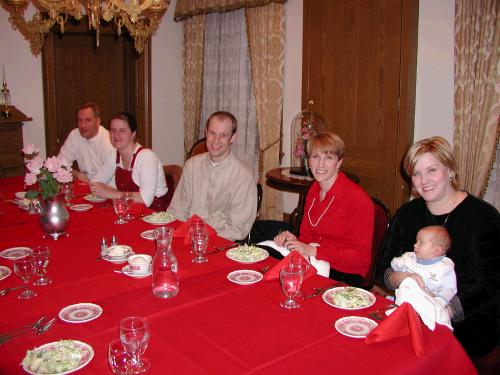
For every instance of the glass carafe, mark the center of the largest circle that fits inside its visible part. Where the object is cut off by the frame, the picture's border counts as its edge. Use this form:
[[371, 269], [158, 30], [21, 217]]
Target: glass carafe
[[165, 282]]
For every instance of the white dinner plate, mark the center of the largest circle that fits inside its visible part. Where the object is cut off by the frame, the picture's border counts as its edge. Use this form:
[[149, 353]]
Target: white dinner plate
[[81, 207], [355, 326], [148, 234], [15, 252], [80, 313], [244, 277], [85, 349], [94, 198], [247, 254], [4, 272], [157, 219], [127, 271], [361, 298]]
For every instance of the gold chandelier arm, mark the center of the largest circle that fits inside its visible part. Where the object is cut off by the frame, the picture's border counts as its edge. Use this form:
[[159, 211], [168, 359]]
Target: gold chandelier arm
[[118, 6], [34, 31], [141, 30], [55, 7]]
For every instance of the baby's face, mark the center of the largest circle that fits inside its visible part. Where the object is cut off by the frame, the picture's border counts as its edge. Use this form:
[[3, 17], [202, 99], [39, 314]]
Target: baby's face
[[424, 247]]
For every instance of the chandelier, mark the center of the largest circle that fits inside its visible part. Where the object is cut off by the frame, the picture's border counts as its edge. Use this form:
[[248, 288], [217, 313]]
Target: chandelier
[[140, 17]]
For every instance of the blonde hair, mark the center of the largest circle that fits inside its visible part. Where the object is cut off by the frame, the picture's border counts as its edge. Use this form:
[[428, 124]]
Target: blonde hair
[[440, 236], [439, 148], [326, 143]]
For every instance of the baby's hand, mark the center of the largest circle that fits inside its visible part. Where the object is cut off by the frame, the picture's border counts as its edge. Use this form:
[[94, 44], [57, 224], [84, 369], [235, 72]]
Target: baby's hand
[[418, 279]]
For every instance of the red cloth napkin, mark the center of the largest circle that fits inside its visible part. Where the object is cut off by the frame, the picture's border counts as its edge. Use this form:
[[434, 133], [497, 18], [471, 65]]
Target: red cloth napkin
[[402, 322], [274, 273], [183, 230]]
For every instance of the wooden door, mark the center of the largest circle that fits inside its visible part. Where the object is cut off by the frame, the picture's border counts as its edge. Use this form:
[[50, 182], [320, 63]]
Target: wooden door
[[359, 68], [112, 75]]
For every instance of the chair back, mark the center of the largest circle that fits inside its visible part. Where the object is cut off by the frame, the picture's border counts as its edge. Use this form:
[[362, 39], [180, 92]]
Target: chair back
[[199, 147], [173, 174], [380, 227], [259, 197]]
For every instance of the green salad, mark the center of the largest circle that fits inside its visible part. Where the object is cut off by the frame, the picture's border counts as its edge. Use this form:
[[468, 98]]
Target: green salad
[[350, 298], [246, 253], [160, 217], [63, 356]]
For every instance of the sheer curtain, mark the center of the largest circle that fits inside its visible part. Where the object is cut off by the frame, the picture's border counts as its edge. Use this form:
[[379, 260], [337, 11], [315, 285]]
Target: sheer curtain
[[493, 191], [227, 81]]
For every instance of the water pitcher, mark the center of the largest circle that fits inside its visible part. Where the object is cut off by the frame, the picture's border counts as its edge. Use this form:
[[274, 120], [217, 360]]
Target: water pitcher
[[165, 282]]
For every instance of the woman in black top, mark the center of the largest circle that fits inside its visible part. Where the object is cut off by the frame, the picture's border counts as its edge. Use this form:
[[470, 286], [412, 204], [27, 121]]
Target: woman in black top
[[474, 227]]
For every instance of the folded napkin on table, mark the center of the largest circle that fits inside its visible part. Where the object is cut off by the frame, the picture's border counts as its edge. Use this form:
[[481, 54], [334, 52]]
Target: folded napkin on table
[[430, 309], [274, 273], [321, 266], [183, 230], [402, 322]]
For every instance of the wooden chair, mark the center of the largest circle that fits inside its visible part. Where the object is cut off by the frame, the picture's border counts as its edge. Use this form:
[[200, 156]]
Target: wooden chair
[[380, 228], [198, 148], [173, 174], [259, 197]]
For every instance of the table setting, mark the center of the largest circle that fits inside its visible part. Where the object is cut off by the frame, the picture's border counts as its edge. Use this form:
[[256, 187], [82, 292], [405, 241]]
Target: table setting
[[223, 315]]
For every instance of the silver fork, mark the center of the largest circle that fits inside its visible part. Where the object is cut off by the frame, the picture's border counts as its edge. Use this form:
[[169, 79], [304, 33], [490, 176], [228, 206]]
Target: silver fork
[[20, 331], [318, 291], [3, 292], [377, 314]]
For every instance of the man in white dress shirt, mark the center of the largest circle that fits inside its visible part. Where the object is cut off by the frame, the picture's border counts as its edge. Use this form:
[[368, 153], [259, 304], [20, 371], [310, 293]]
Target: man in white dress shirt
[[216, 185], [89, 144]]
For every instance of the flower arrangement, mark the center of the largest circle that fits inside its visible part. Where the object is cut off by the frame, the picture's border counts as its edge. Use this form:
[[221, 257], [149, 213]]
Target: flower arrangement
[[49, 174], [306, 132]]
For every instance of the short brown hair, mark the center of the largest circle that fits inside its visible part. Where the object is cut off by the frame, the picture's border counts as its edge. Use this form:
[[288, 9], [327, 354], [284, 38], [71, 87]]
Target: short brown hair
[[94, 107], [439, 148], [220, 115], [440, 236], [326, 143]]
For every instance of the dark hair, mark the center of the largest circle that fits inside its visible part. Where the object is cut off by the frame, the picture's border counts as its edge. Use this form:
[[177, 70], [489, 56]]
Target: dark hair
[[128, 118], [220, 115], [94, 107]]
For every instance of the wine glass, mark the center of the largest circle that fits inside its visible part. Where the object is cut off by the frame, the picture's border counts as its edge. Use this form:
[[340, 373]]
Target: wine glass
[[118, 359], [67, 190], [301, 264], [291, 280], [129, 200], [24, 268], [120, 207], [195, 225], [199, 239], [42, 256], [134, 336]]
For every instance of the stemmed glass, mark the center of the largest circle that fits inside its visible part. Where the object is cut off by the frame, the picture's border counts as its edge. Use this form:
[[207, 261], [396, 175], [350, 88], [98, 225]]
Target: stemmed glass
[[120, 206], [291, 280], [301, 264], [42, 256], [24, 268], [67, 190], [129, 200], [194, 226], [134, 336], [118, 359], [199, 239]]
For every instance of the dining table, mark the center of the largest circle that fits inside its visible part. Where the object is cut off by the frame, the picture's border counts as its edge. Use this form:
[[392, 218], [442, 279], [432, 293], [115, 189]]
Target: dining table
[[212, 326]]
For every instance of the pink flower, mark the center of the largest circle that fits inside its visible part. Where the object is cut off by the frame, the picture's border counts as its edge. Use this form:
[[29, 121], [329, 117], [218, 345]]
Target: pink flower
[[34, 165], [30, 178], [63, 175], [31, 149], [52, 164], [299, 151]]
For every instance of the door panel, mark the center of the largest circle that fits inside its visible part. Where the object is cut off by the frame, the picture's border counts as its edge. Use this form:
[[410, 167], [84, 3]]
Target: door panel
[[353, 52], [112, 75]]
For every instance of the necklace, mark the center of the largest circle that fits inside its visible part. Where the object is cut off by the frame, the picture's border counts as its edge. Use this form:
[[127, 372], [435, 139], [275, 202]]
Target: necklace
[[449, 213], [320, 216]]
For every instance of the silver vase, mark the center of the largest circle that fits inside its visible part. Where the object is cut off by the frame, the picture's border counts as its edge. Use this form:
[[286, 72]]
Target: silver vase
[[54, 217]]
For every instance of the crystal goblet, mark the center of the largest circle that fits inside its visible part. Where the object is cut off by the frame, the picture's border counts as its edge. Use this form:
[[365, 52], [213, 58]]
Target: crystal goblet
[[24, 268], [120, 207], [119, 360], [291, 281], [134, 336], [199, 239], [42, 257], [67, 190]]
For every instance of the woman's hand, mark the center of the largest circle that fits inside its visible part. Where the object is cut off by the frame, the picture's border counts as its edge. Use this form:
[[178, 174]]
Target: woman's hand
[[301, 247], [104, 190], [283, 237]]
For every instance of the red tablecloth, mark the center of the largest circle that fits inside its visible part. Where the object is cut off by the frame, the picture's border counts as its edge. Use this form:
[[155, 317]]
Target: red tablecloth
[[211, 327]]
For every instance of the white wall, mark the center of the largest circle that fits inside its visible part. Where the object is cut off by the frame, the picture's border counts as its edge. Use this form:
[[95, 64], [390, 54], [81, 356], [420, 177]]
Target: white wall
[[434, 97]]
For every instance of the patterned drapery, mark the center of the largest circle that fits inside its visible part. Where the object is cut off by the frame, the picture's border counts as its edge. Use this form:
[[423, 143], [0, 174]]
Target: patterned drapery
[[477, 90], [193, 78], [189, 8], [266, 37]]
